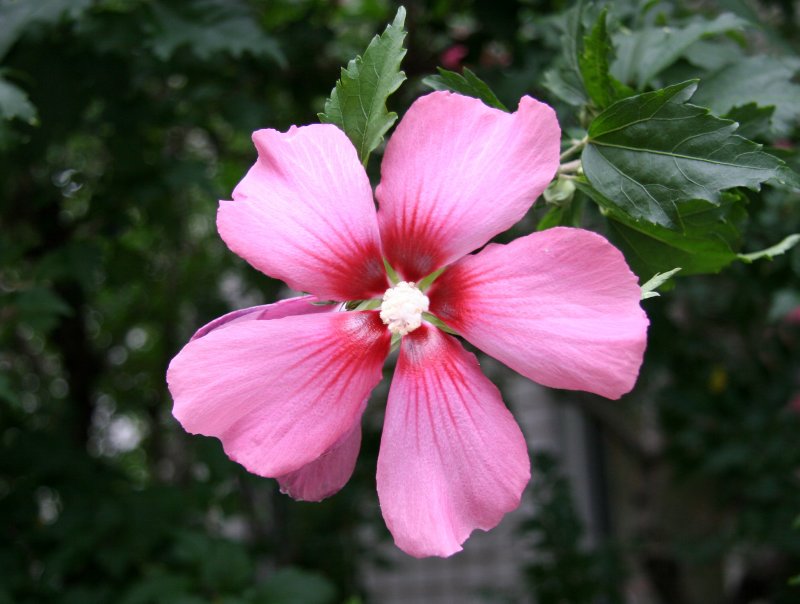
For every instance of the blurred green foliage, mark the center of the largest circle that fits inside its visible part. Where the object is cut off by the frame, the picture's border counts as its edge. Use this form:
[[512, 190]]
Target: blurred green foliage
[[122, 122], [562, 569]]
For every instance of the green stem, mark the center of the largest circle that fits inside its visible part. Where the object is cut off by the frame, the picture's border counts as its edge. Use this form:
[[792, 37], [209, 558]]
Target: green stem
[[569, 167], [574, 148]]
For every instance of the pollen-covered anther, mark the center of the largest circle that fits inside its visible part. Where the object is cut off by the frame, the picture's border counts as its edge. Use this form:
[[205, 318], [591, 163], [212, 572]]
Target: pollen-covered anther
[[402, 307]]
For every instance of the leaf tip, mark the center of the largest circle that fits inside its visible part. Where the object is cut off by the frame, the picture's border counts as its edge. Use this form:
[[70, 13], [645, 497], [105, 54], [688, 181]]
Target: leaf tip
[[400, 17]]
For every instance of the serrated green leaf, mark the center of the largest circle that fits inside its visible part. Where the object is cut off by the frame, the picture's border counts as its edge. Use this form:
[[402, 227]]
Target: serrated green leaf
[[564, 80], [467, 84], [602, 88], [775, 250], [754, 121], [14, 103], [210, 27], [763, 80], [653, 153], [786, 178], [705, 245], [358, 102], [644, 53], [17, 16]]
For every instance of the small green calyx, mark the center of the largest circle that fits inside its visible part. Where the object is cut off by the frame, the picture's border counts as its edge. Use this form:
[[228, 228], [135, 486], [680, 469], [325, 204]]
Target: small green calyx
[[426, 282], [363, 304], [437, 322], [391, 273], [560, 192]]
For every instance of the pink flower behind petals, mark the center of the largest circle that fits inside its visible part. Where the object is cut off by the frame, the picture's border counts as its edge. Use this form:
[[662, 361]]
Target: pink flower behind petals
[[284, 386]]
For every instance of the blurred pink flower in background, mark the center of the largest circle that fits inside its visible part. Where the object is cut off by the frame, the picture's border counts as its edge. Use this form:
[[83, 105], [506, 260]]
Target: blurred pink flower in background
[[284, 386], [452, 57], [793, 316]]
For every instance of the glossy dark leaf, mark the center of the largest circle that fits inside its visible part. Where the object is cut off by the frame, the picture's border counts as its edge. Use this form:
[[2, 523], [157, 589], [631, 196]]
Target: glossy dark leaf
[[653, 153], [466, 83], [754, 121], [705, 244]]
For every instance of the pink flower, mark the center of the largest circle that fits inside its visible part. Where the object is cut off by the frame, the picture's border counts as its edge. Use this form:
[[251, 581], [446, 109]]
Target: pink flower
[[284, 386], [793, 316], [452, 56]]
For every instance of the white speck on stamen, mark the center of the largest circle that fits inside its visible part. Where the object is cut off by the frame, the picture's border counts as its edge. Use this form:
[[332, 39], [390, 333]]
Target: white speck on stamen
[[402, 307]]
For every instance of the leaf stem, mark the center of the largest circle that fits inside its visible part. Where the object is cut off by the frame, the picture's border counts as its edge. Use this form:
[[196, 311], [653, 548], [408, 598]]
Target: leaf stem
[[569, 167], [575, 148]]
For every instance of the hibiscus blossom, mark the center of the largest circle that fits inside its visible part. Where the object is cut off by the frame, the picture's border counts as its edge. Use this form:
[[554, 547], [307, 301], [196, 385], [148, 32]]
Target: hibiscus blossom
[[284, 386]]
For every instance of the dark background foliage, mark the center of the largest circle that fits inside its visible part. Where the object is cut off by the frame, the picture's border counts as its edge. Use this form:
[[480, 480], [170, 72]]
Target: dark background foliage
[[124, 121]]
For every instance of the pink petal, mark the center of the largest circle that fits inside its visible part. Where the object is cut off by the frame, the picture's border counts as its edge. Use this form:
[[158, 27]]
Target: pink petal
[[279, 393], [452, 458], [304, 214], [456, 173], [301, 305], [328, 473], [560, 306]]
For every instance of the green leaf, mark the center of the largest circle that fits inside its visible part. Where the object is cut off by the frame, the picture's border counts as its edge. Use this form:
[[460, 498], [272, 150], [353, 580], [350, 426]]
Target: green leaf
[[19, 16], [565, 86], [358, 102], [644, 53], [602, 88], [786, 178], [714, 54], [553, 217], [652, 153], [776, 250], [41, 308], [290, 585], [763, 80], [565, 80], [210, 27], [656, 281], [705, 245], [14, 103], [467, 84], [754, 121], [651, 249]]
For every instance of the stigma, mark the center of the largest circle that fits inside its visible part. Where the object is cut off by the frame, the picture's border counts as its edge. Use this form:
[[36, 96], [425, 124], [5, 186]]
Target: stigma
[[402, 307]]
